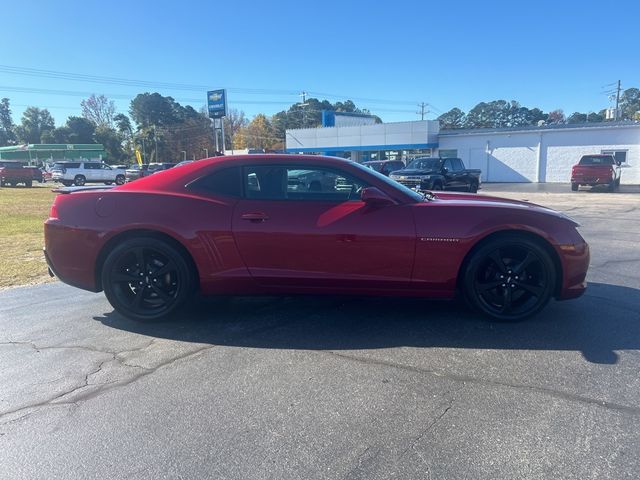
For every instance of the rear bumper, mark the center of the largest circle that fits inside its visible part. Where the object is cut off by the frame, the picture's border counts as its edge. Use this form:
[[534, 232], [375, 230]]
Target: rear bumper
[[70, 256]]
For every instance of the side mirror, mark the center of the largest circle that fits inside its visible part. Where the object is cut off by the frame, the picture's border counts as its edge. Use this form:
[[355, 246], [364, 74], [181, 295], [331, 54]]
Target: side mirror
[[375, 197]]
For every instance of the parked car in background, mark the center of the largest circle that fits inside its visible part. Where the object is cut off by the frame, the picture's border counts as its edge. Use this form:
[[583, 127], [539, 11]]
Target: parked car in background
[[593, 170], [12, 175], [429, 173], [36, 174], [242, 225], [385, 167], [80, 173], [141, 171]]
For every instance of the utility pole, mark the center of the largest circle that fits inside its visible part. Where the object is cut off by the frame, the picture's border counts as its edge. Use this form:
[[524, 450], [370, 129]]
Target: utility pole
[[617, 100], [155, 138], [304, 110], [423, 110]]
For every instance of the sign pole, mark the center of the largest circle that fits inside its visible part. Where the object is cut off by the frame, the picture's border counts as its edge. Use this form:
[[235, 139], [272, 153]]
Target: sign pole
[[217, 108]]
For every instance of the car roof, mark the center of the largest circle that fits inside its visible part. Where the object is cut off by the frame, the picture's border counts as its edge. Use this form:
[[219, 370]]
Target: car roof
[[172, 178]]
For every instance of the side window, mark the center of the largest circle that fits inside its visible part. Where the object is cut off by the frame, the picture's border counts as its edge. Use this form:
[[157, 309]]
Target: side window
[[457, 165], [322, 184], [448, 165], [92, 166], [225, 181], [300, 182], [105, 166]]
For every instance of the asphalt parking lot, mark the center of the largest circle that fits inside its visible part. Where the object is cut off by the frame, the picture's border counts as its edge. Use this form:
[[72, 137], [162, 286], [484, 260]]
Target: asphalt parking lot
[[354, 388]]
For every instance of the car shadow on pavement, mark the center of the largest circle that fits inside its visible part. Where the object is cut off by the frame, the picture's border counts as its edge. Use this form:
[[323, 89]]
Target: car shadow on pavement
[[605, 319]]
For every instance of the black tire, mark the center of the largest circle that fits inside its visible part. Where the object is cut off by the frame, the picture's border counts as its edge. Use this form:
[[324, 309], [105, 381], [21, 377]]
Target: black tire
[[108, 183], [437, 186], [67, 183], [618, 182], [574, 187], [509, 278], [28, 183], [612, 186], [79, 180], [120, 179], [147, 279], [473, 188]]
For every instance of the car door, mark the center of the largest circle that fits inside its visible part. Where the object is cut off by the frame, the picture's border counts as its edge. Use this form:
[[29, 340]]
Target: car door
[[306, 226], [452, 174], [106, 173]]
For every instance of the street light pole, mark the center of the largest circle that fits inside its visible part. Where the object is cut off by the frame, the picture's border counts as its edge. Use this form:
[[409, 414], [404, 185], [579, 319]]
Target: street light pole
[[184, 155], [206, 152]]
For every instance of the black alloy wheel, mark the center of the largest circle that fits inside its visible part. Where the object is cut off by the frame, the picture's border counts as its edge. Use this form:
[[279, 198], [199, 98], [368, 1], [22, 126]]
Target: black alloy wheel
[[146, 279], [120, 180], [510, 278], [80, 180]]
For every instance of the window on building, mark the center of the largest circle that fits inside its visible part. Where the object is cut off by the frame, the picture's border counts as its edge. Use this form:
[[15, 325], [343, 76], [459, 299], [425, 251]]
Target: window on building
[[448, 153], [619, 155]]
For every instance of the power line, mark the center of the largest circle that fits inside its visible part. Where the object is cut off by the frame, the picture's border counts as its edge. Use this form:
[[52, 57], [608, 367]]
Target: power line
[[54, 74]]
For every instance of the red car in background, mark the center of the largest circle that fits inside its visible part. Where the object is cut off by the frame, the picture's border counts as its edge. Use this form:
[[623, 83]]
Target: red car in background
[[247, 225], [593, 170]]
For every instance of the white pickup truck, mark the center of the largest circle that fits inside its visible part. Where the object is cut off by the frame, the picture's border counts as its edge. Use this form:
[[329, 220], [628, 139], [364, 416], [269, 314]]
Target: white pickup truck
[[80, 173]]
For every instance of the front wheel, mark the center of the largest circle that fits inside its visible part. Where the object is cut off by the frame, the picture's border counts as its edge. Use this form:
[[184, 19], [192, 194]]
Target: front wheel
[[80, 180], [146, 279], [120, 180], [509, 278], [473, 188], [574, 187]]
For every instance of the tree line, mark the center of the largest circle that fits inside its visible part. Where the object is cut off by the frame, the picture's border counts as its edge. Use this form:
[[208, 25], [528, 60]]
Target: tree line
[[502, 113], [164, 130]]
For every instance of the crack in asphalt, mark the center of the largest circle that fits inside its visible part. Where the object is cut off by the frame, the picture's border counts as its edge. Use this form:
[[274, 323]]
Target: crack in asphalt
[[101, 387], [566, 396], [425, 430]]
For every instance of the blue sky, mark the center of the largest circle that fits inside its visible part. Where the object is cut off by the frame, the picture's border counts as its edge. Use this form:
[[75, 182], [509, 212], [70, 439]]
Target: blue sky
[[386, 57]]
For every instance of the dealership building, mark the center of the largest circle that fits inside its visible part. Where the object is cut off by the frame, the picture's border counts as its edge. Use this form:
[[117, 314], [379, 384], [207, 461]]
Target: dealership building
[[522, 154]]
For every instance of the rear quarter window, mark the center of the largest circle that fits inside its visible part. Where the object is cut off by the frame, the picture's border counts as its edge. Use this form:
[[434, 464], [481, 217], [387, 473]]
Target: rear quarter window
[[226, 181]]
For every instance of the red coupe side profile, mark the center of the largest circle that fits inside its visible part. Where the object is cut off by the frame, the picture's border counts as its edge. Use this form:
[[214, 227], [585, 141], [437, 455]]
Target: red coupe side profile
[[297, 224]]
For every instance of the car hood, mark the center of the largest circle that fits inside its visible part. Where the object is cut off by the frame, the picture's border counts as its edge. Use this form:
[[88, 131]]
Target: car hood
[[474, 200], [413, 171]]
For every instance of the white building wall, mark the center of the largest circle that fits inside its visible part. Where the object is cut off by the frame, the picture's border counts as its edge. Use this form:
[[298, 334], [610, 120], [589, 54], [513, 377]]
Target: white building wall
[[543, 155]]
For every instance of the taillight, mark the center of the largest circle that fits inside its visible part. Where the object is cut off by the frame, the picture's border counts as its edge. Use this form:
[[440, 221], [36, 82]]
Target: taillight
[[53, 213]]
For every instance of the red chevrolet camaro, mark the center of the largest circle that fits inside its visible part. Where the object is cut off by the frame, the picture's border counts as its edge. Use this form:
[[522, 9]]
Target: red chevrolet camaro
[[293, 224]]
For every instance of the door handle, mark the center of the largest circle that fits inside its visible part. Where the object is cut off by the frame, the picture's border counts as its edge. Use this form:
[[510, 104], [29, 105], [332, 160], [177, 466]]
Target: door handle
[[255, 217]]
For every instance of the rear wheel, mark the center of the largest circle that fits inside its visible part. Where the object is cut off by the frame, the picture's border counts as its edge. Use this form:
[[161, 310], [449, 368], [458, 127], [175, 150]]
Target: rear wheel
[[473, 188], [67, 183], [146, 279], [79, 180], [509, 278], [574, 187], [28, 183], [612, 186], [437, 186], [120, 179]]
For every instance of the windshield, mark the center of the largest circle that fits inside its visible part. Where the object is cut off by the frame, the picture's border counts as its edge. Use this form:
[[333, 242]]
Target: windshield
[[425, 164], [392, 183]]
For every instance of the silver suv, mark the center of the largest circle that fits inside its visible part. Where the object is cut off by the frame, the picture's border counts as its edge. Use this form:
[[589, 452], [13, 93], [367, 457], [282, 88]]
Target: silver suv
[[79, 173]]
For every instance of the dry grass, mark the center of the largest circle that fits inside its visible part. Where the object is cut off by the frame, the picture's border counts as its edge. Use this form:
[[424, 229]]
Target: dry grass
[[22, 213]]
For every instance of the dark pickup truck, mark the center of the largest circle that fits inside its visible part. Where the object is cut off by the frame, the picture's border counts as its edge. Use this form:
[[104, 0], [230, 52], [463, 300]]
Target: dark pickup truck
[[596, 170], [12, 175], [438, 174]]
